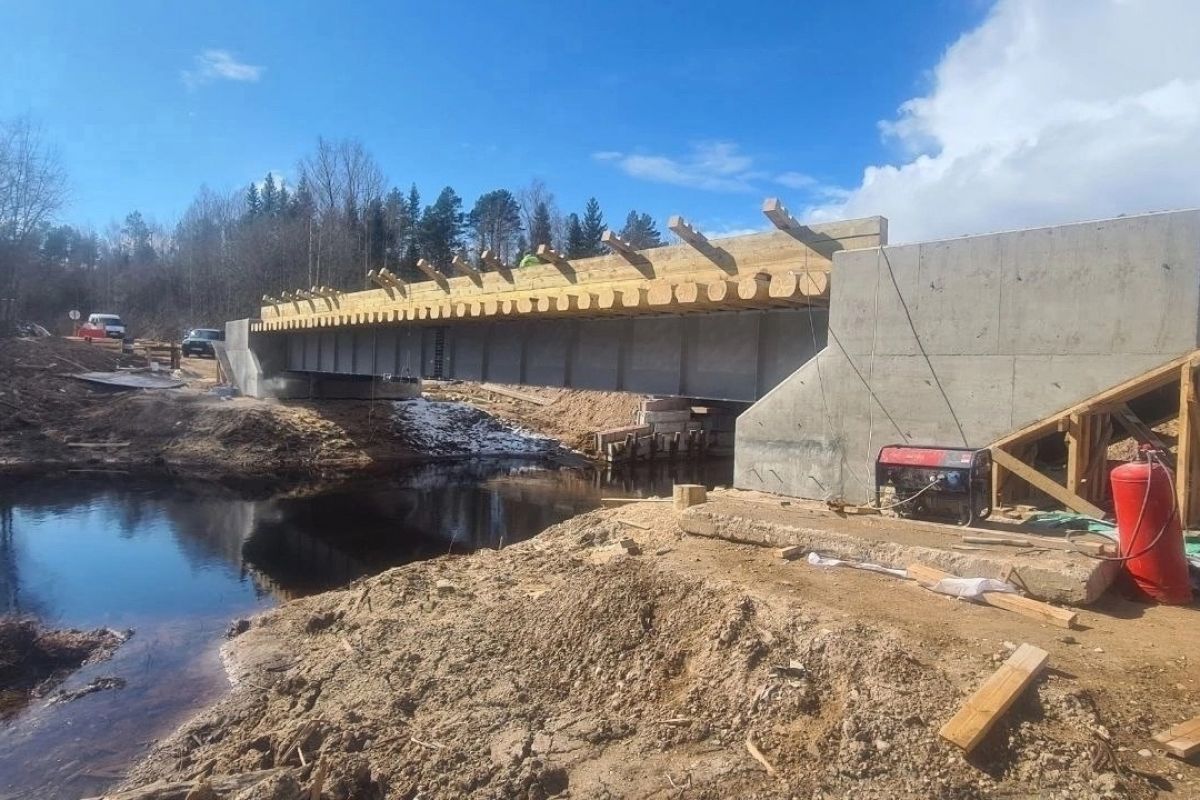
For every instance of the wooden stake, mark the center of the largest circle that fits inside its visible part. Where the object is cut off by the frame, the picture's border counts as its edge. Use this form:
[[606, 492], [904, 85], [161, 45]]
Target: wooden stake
[[987, 705]]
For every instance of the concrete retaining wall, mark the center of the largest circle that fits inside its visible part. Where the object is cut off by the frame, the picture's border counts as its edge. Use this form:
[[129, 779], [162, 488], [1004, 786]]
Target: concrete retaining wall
[[959, 342]]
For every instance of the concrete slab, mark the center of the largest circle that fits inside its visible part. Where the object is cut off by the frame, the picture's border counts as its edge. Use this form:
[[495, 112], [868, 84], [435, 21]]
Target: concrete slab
[[1058, 576]]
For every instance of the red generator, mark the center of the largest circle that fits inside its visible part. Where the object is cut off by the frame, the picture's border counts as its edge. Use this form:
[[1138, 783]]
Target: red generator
[[935, 483]]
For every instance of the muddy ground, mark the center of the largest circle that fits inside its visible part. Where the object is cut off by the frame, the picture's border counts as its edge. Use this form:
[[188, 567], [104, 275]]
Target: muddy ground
[[34, 660], [573, 666], [49, 420]]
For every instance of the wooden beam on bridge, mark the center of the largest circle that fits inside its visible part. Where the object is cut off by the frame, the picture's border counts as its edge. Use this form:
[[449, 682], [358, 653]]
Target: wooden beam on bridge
[[464, 267], [799, 283], [552, 256], [620, 247], [433, 274], [660, 293], [685, 231], [779, 216]]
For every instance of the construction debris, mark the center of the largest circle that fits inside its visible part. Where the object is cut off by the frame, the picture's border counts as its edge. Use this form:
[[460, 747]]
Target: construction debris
[[930, 577], [689, 494], [987, 705], [1182, 740]]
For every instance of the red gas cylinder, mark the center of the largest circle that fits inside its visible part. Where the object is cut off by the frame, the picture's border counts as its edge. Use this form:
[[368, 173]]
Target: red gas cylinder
[[1145, 506]]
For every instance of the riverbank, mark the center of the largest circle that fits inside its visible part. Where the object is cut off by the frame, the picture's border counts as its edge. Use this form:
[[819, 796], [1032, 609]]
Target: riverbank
[[615, 656], [34, 660], [50, 421]]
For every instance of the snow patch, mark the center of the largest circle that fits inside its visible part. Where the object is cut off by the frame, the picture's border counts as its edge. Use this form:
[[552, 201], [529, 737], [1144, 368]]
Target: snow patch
[[460, 428]]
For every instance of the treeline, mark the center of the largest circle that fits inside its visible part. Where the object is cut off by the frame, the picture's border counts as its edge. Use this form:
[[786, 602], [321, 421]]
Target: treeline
[[341, 218]]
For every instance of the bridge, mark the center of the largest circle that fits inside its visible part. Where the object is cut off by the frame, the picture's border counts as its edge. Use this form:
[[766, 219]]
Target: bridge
[[720, 319]]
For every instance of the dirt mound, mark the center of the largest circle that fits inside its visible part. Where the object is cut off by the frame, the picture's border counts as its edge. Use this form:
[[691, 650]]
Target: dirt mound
[[567, 665], [34, 660]]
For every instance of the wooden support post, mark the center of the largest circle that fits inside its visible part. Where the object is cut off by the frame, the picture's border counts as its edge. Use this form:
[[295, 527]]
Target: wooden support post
[[1040, 481], [620, 247], [684, 230], [689, 494], [1078, 453], [987, 705], [1186, 470]]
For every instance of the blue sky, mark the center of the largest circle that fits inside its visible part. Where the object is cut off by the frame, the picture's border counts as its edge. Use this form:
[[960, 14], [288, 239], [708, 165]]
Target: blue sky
[[699, 108]]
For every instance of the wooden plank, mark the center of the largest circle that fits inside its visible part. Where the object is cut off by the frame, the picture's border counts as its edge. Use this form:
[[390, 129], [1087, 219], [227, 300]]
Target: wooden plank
[[528, 398], [1137, 429], [624, 501], [1040, 481], [987, 705], [1077, 457], [1018, 604], [790, 553], [687, 232], [1186, 483], [1141, 384], [1182, 740]]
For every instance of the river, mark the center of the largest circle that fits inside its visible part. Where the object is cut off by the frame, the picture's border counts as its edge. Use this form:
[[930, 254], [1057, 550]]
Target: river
[[177, 562]]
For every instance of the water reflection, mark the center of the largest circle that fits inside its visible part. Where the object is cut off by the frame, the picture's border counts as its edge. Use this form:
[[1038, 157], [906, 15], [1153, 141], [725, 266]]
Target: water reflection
[[178, 562]]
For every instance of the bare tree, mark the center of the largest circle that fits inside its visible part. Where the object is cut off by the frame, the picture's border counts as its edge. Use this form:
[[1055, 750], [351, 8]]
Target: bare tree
[[530, 197], [33, 187]]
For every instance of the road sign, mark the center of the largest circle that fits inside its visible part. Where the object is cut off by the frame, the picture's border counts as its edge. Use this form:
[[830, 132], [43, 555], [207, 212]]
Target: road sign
[[73, 314]]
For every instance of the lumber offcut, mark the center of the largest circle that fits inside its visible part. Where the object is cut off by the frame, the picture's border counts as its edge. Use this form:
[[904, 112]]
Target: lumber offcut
[[1181, 740], [987, 705], [689, 494], [1034, 609]]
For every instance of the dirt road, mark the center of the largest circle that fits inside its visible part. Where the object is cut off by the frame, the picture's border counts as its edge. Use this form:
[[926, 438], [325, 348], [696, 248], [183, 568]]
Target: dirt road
[[573, 665]]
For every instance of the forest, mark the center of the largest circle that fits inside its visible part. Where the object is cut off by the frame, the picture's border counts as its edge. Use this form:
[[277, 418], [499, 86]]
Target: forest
[[341, 218]]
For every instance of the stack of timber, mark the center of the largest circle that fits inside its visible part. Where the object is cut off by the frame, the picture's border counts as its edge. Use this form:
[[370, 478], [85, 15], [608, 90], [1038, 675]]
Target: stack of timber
[[786, 267]]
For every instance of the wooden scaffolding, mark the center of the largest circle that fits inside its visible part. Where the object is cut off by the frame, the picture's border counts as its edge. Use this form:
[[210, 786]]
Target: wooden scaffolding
[[1088, 430]]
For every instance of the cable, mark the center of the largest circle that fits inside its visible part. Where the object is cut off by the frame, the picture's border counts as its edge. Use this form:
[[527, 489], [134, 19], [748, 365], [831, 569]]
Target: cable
[[1152, 456], [919, 492]]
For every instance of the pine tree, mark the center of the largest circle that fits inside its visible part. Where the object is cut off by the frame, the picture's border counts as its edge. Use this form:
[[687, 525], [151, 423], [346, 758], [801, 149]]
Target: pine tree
[[269, 197], [540, 230], [303, 205], [284, 203], [641, 232], [593, 229], [496, 223], [441, 229], [576, 245], [253, 203], [411, 242]]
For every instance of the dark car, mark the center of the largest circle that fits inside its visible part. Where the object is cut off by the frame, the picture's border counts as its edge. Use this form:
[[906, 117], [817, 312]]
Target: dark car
[[199, 341]]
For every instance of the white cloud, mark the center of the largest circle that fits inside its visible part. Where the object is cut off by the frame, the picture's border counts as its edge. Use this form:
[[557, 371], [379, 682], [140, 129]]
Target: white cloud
[[796, 180], [219, 65], [714, 166], [1047, 112]]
